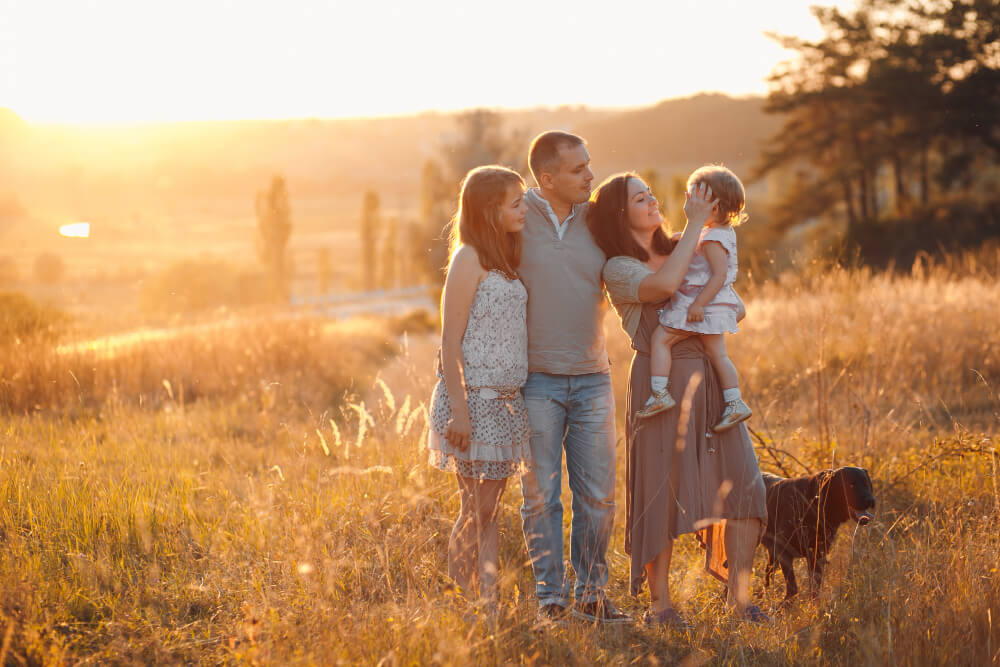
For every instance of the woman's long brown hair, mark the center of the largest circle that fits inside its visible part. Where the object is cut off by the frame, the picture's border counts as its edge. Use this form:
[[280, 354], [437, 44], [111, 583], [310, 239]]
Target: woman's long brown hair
[[477, 222], [607, 219]]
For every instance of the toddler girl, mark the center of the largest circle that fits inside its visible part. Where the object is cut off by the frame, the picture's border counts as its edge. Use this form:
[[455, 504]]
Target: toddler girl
[[479, 424], [706, 304]]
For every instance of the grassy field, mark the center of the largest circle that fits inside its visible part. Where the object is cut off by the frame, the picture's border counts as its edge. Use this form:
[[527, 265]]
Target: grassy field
[[261, 495]]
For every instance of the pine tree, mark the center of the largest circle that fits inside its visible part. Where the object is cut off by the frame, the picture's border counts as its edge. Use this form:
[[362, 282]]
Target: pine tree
[[274, 227], [369, 232], [390, 258]]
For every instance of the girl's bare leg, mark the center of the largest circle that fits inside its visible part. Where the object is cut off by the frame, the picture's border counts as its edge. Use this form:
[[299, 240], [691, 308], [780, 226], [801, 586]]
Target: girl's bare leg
[[715, 347], [473, 550], [490, 493], [463, 553]]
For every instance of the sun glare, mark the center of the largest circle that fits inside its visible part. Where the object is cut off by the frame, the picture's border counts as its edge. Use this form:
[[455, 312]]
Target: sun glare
[[102, 63], [78, 230]]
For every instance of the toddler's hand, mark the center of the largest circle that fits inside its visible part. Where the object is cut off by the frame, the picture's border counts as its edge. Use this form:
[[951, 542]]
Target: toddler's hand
[[696, 313]]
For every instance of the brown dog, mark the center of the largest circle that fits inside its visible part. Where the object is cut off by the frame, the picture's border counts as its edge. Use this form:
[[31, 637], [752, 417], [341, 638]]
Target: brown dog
[[803, 515]]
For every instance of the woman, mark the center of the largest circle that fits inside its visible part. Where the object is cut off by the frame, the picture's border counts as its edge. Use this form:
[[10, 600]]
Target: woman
[[681, 479]]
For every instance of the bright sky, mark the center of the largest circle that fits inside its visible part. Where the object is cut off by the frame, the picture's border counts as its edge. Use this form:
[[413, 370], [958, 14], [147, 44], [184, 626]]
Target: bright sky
[[109, 61]]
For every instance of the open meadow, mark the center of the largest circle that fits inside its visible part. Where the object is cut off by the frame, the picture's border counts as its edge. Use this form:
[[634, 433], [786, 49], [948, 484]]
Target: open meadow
[[261, 494]]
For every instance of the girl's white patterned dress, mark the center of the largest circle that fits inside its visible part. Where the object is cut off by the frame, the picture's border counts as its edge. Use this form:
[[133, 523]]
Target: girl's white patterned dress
[[495, 353]]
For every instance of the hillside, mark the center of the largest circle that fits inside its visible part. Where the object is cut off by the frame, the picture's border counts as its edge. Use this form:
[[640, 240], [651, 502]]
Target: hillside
[[680, 134], [156, 192]]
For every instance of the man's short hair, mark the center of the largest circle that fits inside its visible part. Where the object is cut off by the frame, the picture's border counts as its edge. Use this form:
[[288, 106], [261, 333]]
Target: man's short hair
[[543, 156]]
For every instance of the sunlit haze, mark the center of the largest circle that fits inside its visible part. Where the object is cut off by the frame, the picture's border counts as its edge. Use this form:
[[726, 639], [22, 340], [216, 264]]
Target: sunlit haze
[[133, 61]]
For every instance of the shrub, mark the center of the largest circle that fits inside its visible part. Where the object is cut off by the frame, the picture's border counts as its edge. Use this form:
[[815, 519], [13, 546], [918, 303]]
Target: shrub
[[22, 319], [196, 285]]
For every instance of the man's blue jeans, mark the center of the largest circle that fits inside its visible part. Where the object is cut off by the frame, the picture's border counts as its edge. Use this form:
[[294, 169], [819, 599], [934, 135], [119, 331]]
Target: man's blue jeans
[[575, 413]]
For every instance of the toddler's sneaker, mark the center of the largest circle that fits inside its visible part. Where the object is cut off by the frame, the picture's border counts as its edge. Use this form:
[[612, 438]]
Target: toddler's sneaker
[[656, 403], [735, 412]]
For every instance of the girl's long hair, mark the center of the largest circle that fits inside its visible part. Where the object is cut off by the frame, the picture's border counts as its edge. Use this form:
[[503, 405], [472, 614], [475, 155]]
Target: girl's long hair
[[607, 219], [477, 221]]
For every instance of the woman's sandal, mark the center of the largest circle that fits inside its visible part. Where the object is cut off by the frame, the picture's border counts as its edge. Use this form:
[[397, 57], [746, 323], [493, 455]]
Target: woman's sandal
[[668, 618]]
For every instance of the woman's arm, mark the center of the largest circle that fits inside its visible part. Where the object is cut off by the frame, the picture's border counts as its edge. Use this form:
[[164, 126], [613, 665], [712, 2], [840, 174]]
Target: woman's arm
[[464, 275], [661, 285], [716, 256]]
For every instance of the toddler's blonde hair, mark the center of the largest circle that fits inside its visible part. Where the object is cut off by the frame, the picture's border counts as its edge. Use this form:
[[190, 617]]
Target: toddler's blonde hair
[[727, 188]]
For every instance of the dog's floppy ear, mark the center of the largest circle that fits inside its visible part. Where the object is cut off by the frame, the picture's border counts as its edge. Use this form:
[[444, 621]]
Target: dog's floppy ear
[[819, 482], [824, 484]]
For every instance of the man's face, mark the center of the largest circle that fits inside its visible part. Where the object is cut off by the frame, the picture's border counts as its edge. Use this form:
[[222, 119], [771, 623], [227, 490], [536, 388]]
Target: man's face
[[571, 179]]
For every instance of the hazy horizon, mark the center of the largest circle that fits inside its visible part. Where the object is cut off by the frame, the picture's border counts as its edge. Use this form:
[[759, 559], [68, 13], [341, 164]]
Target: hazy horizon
[[377, 117]]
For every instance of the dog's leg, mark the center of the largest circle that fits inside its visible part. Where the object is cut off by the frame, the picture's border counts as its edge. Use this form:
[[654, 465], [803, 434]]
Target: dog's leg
[[791, 587], [772, 563], [816, 562]]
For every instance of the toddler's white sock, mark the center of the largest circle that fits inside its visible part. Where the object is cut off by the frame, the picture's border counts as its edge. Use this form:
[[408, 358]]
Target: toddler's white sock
[[658, 383], [731, 394]]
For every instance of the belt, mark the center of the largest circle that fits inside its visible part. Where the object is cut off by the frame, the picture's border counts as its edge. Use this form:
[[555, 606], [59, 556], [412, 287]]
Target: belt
[[489, 393]]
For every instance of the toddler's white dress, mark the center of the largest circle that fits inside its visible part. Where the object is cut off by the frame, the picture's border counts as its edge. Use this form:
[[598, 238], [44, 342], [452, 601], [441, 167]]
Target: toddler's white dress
[[720, 312]]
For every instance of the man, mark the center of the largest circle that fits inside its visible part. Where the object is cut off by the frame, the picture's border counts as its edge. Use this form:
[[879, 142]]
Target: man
[[568, 393]]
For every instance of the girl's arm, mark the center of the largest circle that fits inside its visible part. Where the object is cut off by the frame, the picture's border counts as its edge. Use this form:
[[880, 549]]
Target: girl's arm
[[717, 261], [464, 275], [661, 285]]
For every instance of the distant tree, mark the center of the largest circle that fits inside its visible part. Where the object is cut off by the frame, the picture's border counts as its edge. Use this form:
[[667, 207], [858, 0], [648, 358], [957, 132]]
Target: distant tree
[[390, 255], [369, 232], [428, 249], [274, 227], [324, 270], [910, 89], [8, 270], [49, 268], [480, 138], [435, 191]]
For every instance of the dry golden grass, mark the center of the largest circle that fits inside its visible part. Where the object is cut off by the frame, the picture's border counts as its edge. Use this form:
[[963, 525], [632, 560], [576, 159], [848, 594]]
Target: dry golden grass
[[309, 529], [299, 361]]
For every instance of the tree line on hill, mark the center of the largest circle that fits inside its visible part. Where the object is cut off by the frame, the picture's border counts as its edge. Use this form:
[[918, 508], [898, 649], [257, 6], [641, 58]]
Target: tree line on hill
[[891, 126]]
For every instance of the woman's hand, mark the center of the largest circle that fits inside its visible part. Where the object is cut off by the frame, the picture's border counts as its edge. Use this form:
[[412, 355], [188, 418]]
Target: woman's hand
[[459, 428], [696, 313], [698, 204]]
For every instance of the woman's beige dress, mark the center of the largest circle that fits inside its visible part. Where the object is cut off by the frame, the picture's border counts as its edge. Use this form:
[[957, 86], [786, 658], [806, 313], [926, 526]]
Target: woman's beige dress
[[676, 485]]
